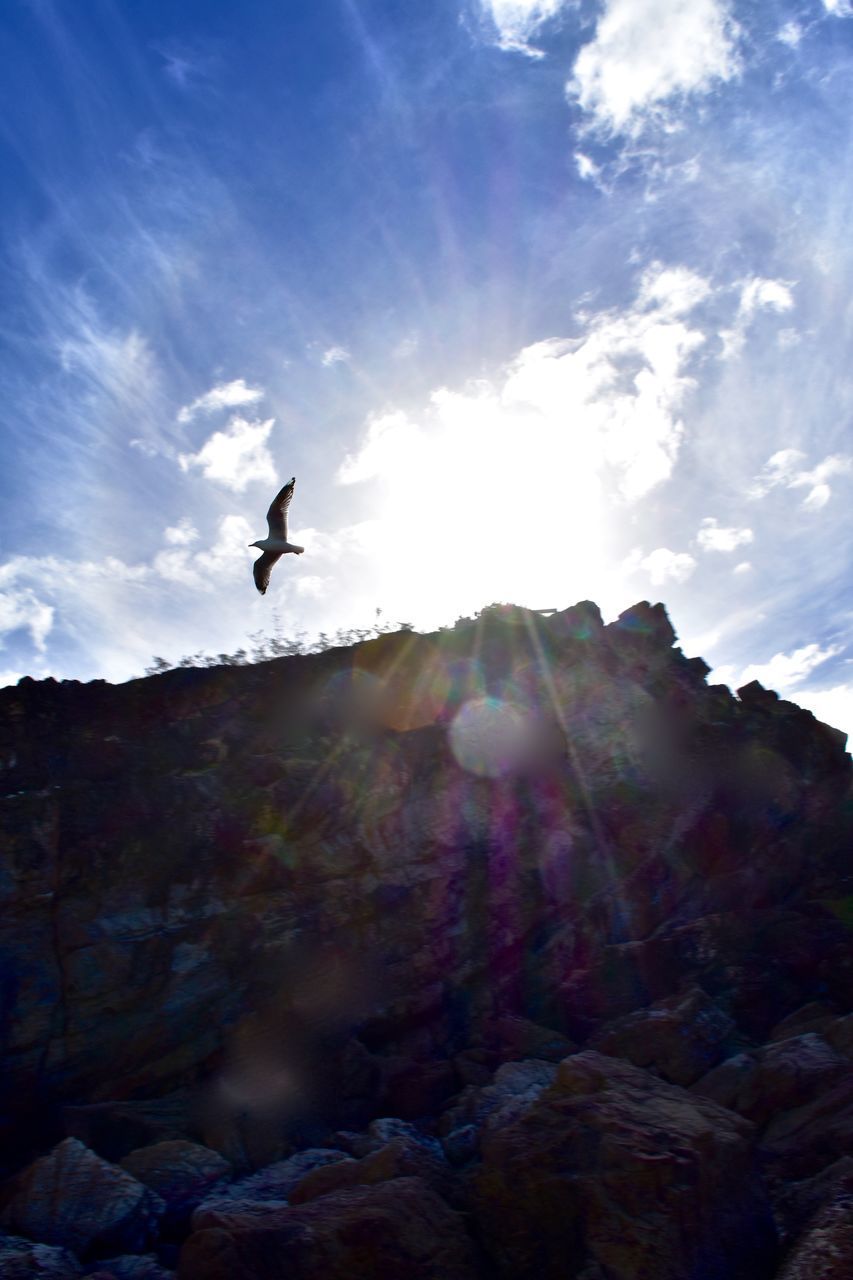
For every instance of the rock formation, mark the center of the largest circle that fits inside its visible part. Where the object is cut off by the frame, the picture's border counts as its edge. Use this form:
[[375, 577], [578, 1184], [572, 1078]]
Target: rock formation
[[574, 924]]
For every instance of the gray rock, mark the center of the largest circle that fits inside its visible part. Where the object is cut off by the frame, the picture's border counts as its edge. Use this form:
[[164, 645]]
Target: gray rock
[[181, 1173], [73, 1198], [24, 1260], [681, 1036], [272, 1185], [785, 1074], [514, 1085], [404, 1156]]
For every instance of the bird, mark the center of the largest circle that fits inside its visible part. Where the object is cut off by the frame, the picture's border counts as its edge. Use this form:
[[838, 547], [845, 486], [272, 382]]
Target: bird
[[275, 545]]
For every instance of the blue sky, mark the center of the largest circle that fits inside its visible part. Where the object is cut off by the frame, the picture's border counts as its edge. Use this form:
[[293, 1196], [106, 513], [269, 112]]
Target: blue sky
[[538, 300]]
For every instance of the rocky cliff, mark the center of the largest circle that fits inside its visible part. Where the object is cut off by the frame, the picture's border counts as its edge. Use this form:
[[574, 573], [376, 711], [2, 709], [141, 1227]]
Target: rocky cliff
[[576, 924]]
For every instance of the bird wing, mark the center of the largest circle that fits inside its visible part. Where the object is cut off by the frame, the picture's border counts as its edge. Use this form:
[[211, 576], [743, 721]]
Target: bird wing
[[262, 568], [277, 514]]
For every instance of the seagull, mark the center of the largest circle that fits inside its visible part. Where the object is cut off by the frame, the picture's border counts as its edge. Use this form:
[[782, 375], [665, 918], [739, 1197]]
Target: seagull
[[275, 545]]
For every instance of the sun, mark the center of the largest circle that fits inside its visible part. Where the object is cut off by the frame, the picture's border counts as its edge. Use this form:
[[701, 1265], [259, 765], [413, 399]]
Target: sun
[[484, 501]]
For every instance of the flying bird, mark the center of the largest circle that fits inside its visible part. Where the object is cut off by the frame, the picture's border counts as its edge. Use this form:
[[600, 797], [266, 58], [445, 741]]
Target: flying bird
[[275, 545]]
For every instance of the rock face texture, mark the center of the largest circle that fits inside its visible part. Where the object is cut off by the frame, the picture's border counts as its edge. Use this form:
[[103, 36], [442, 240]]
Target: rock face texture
[[574, 923]]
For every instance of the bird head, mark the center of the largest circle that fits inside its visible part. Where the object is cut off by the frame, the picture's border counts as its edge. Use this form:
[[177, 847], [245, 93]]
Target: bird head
[[254, 544]]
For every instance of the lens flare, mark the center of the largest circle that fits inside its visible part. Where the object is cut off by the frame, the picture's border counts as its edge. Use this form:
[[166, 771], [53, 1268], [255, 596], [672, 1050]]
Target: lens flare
[[491, 738]]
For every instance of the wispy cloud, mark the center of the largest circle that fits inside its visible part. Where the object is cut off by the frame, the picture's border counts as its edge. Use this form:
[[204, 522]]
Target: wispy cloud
[[236, 456], [662, 565], [785, 470], [648, 55], [334, 355], [714, 537], [225, 395]]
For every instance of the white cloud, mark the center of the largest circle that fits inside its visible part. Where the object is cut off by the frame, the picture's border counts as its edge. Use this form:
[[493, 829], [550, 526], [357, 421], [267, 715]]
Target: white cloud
[[120, 614], [833, 706], [609, 399], [334, 355], [390, 439], [312, 586], [587, 168], [647, 53], [225, 395], [784, 469], [623, 383], [743, 567], [817, 497], [516, 21], [228, 555], [772, 295], [713, 537], [791, 34], [758, 294], [236, 456], [786, 670], [20, 608], [675, 291], [181, 534], [662, 565], [467, 493], [838, 8], [777, 470]]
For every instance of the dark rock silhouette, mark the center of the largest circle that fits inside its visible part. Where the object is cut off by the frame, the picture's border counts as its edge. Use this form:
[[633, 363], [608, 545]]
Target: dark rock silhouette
[[575, 924]]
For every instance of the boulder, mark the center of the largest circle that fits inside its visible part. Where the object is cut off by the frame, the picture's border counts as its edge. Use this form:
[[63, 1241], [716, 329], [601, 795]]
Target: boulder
[[74, 1199], [514, 1084], [784, 1075], [402, 1157], [611, 1168], [24, 1260], [801, 1142], [181, 1173], [796, 1203], [814, 1016], [272, 1185], [825, 1250], [839, 1033], [384, 1130], [681, 1037], [394, 1229]]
